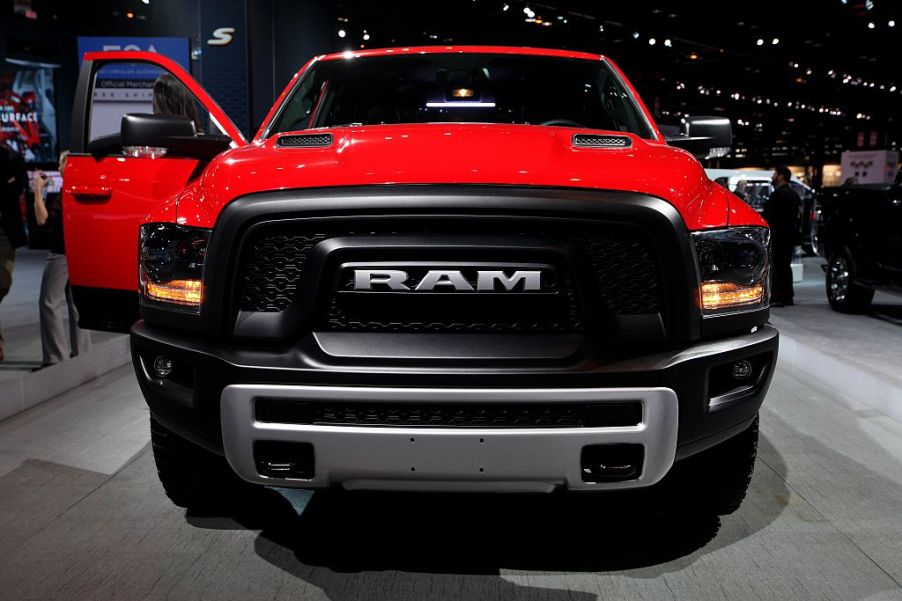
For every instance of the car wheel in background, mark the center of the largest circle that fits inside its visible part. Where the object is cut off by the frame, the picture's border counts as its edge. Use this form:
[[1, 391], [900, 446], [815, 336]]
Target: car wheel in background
[[843, 293]]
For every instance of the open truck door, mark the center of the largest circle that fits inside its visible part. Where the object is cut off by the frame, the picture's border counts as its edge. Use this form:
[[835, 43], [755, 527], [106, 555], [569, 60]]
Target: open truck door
[[110, 186]]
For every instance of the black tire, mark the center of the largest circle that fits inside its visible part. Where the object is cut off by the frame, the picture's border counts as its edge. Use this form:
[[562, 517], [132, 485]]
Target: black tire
[[843, 293], [714, 481], [192, 476]]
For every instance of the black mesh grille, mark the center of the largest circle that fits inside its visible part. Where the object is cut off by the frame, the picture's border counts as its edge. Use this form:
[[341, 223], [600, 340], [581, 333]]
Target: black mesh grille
[[626, 278], [271, 268], [596, 141], [305, 141], [626, 273], [457, 415]]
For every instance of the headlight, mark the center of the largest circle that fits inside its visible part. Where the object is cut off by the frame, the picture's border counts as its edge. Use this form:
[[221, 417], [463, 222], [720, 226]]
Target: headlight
[[171, 265], [733, 264]]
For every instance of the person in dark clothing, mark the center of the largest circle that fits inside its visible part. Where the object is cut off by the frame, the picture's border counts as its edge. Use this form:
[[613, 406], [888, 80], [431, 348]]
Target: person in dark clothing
[[782, 211], [55, 289], [13, 179]]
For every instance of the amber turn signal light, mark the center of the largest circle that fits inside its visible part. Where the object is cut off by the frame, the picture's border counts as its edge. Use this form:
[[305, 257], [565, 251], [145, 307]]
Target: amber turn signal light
[[182, 292], [723, 295]]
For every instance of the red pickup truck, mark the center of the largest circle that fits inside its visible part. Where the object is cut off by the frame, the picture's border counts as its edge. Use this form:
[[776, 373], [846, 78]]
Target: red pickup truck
[[438, 268]]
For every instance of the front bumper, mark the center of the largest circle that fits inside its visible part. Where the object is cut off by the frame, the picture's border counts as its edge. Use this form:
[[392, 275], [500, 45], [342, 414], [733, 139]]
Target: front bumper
[[209, 397], [459, 459]]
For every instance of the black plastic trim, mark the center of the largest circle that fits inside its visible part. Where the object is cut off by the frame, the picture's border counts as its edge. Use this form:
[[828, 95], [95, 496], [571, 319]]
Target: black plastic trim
[[79, 124]]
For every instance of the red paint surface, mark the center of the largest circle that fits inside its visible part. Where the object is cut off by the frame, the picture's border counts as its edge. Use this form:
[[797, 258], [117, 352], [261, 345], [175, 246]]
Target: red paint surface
[[517, 155], [101, 235]]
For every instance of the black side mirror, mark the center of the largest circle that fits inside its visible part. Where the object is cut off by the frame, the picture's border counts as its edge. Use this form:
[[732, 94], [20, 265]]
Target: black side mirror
[[154, 136], [704, 137]]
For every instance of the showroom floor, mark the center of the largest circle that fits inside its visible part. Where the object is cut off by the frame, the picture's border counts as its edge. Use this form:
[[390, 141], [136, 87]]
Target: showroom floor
[[82, 515]]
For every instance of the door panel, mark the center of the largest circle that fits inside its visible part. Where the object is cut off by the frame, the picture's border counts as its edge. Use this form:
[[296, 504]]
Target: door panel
[[102, 229], [107, 195]]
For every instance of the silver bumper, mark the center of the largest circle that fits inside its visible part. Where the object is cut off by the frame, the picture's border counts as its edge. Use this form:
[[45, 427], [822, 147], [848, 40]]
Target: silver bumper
[[449, 459]]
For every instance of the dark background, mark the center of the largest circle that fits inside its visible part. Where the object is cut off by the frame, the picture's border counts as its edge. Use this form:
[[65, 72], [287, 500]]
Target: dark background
[[830, 83]]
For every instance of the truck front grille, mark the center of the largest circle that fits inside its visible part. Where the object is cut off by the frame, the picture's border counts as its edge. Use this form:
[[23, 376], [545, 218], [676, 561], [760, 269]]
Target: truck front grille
[[618, 266]]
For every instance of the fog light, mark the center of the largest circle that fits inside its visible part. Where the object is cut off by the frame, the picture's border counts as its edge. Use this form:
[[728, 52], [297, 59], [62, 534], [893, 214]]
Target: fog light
[[163, 366], [742, 370]]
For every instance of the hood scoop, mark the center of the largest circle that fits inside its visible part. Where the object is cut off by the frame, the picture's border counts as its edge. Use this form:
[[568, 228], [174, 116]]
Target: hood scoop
[[305, 141], [601, 141]]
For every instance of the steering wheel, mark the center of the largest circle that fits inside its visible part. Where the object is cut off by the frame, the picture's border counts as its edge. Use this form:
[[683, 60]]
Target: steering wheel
[[562, 123]]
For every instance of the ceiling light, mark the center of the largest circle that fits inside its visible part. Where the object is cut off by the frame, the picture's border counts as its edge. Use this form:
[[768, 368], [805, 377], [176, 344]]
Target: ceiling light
[[891, 23], [366, 36], [505, 7], [652, 41], [871, 26], [668, 43], [342, 33], [760, 42], [775, 41], [635, 35]]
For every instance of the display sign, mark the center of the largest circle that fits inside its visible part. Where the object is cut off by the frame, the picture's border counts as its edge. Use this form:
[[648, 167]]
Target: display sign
[[870, 166], [27, 112], [174, 48]]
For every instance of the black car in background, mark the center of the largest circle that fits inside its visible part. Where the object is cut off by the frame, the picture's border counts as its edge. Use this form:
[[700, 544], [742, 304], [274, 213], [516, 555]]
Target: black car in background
[[860, 231]]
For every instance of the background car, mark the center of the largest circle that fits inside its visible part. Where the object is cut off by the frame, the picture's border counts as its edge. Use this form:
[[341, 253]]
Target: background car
[[754, 187], [860, 230]]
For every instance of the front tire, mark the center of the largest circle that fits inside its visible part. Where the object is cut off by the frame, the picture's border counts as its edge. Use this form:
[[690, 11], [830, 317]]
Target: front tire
[[843, 293], [193, 477], [716, 480]]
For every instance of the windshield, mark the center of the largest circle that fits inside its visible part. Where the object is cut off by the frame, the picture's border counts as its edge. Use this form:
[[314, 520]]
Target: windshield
[[462, 88]]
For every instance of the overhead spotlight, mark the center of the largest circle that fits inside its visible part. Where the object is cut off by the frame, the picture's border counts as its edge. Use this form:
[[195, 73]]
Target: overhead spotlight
[[366, 37], [505, 7], [871, 26], [652, 41], [668, 43], [601, 29], [342, 33], [775, 41], [635, 35], [891, 23], [760, 42], [148, 2]]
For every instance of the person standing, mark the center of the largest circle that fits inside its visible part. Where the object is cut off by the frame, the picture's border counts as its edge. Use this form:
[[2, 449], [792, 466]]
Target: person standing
[[12, 227], [782, 211], [55, 284]]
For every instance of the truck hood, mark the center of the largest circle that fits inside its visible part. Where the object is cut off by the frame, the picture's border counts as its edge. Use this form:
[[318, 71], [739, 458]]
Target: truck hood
[[515, 155]]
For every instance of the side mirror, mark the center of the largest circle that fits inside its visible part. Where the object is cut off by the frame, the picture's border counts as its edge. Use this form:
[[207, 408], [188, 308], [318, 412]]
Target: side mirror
[[704, 137], [154, 136]]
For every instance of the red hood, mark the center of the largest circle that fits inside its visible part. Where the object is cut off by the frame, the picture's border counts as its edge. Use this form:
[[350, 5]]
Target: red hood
[[519, 155]]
